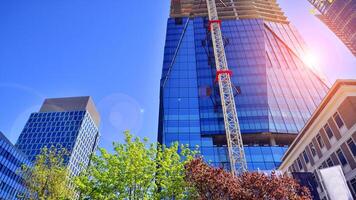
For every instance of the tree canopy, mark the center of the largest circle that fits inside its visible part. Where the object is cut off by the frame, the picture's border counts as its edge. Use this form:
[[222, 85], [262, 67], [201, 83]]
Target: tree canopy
[[48, 178], [137, 170], [215, 183]]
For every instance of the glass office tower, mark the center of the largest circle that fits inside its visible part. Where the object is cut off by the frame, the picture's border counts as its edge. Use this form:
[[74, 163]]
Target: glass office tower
[[339, 16], [11, 160], [72, 123], [275, 91]]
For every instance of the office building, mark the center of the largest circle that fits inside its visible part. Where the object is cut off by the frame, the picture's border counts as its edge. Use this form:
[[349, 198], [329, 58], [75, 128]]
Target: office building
[[11, 161], [329, 137], [275, 91], [72, 123], [339, 16]]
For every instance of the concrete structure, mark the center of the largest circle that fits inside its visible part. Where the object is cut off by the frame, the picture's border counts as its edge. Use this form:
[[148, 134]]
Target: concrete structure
[[275, 91], [339, 16], [72, 123], [329, 137], [230, 9], [11, 160]]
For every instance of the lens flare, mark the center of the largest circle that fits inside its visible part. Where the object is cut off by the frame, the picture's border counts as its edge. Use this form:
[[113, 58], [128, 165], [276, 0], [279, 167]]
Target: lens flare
[[311, 59]]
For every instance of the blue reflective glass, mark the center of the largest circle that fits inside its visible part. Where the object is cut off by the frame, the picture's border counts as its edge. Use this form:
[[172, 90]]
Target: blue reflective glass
[[59, 130], [275, 91], [11, 161]]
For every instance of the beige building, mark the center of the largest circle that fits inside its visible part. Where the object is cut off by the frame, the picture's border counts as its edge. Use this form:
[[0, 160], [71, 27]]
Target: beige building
[[329, 136]]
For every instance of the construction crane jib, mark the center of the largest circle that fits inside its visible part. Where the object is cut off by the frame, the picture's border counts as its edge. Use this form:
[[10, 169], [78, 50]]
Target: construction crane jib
[[232, 128]]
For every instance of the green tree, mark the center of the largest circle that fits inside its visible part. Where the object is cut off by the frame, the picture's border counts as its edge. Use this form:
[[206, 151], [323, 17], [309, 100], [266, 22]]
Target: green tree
[[136, 170], [48, 178]]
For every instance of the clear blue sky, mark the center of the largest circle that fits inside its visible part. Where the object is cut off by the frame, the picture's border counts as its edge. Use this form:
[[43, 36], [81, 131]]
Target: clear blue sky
[[111, 50]]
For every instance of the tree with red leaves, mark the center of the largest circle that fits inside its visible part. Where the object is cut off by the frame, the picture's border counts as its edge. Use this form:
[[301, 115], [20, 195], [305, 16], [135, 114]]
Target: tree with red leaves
[[217, 184]]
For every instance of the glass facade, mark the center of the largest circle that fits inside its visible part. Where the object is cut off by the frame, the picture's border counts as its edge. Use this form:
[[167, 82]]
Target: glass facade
[[339, 16], [275, 91], [74, 130], [11, 160]]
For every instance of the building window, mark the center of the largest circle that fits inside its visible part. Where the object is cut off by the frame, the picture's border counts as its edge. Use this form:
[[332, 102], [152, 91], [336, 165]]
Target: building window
[[341, 157], [299, 164], [291, 169], [352, 146], [316, 177], [320, 141], [330, 162], [338, 120], [178, 21], [305, 156], [328, 131], [312, 149], [353, 186]]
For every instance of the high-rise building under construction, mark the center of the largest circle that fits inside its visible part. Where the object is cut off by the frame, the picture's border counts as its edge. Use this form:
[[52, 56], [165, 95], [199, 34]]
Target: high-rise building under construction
[[275, 91], [339, 16]]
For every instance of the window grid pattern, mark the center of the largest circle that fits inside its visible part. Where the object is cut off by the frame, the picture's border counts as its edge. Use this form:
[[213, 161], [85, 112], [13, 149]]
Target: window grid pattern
[[340, 18], [11, 161], [265, 70], [73, 130], [86, 143], [341, 157], [181, 106], [328, 131], [257, 157], [312, 149], [294, 89], [352, 146], [338, 120]]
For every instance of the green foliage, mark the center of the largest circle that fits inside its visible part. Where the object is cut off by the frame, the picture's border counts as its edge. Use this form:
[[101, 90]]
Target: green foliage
[[136, 170], [48, 178]]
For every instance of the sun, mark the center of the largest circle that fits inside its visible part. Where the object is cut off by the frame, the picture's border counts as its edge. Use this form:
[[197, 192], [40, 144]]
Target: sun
[[311, 59]]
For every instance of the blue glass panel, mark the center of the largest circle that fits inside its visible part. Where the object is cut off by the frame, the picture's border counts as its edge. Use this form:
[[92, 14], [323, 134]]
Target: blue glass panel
[[275, 91], [11, 161], [59, 130]]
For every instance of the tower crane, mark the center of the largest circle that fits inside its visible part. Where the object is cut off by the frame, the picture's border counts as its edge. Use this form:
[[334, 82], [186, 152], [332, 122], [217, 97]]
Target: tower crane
[[223, 77]]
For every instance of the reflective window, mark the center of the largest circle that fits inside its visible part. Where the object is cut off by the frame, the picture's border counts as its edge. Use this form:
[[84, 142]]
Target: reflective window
[[352, 146], [299, 164], [324, 165], [341, 157], [305, 156], [330, 162], [61, 129], [320, 141], [328, 131], [353, 186], [312, 149], [11, 161], [338, 120], [274, 90]]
